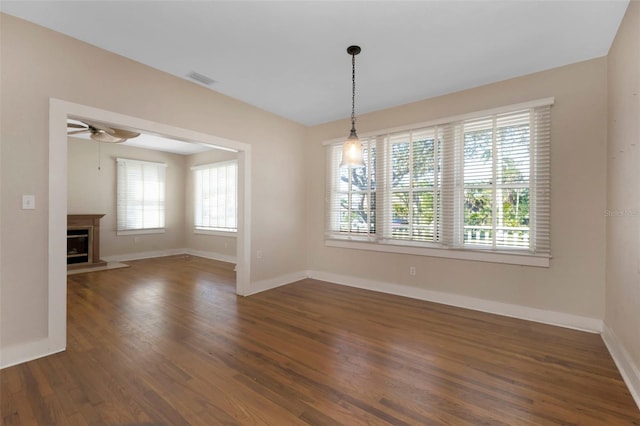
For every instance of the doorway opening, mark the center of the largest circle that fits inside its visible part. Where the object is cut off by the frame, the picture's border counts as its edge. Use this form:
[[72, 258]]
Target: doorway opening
[[59, 113]]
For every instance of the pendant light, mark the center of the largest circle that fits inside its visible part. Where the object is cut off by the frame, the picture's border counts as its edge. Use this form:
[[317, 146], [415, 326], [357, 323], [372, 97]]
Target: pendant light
[[352, 149]]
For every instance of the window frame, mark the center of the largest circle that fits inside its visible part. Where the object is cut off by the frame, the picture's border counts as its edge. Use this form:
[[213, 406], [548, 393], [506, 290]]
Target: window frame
[[454, 199], [214, 230]]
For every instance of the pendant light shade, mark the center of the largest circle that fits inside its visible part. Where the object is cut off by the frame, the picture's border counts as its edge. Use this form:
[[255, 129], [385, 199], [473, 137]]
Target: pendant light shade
[[352, 152], [352, 155]]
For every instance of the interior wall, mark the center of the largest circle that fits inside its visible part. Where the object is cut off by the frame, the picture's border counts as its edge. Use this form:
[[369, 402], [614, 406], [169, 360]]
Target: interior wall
[[574, 282], [216, 246], [39, 64], [94, 191], [623, 186]]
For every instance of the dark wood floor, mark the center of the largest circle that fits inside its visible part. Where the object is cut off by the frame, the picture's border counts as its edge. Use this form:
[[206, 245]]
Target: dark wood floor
[[167, 342]]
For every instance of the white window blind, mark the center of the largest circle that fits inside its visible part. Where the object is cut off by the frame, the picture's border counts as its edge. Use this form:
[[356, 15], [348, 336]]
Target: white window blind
[[215, 196], [140, 195], [480, 183]]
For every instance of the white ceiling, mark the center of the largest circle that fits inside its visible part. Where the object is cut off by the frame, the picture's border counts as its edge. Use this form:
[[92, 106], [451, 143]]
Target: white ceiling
[[289, 57]]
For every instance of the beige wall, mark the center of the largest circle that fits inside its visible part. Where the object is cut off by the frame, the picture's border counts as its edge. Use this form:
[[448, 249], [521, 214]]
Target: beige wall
[[39, 64], [623, 186], [94, 191], [220, 245], [574, 283]]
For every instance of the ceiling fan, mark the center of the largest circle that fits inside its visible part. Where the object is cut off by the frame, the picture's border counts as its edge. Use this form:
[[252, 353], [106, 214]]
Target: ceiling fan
[[101, 132]]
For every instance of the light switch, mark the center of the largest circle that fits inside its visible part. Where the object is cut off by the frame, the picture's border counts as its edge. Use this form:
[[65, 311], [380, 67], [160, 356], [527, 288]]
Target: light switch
[[28, 202]]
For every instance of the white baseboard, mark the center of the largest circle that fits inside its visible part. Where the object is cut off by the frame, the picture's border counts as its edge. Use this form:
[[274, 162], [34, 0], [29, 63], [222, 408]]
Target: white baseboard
[[170, 252], [268, 284], [561, 319], [17, 354], [628, 369], [212, 255], [144, 255]]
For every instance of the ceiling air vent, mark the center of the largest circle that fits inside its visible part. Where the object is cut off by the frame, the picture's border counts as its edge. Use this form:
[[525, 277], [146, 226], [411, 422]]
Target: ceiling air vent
[[207, 81]]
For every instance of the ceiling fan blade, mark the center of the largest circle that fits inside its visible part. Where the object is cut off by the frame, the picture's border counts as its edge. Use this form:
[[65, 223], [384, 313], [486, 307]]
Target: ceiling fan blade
[[100, 126], [106, 137], [73, 132], [76, 126], [125, 134]]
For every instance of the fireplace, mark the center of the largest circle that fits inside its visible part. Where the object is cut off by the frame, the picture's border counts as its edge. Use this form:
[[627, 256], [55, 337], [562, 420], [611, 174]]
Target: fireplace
[[83, 241]]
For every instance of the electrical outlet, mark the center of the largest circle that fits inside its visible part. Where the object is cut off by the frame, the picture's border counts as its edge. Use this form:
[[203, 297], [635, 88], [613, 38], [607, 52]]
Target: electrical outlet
[[258, 254], [412, 271]]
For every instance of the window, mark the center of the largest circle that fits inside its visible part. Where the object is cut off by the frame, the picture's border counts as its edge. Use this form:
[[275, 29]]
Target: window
[[216, 187], [414, 185], [140, 196], [478, 183]]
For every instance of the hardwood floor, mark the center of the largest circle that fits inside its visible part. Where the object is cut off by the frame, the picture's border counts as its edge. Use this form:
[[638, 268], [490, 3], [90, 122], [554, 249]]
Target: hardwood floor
[[167, 342]]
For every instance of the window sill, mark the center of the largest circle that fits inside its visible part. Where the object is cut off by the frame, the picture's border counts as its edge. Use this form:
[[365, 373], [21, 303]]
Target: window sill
[[218, 233], [480, 255], [141, 231]]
